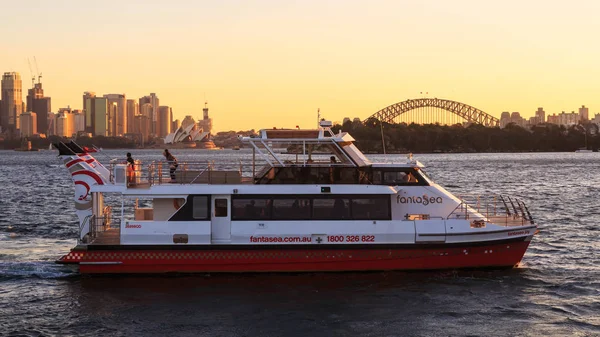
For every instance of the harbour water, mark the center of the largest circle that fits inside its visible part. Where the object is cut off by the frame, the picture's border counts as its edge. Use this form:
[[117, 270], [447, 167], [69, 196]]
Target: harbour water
[[555, 292]]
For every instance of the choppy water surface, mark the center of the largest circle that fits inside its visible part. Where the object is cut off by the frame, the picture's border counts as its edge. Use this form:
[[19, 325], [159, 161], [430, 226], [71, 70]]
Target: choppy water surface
[[555, 292]]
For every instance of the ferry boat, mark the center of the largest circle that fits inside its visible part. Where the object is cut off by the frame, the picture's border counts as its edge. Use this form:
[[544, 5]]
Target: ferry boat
[[303, 212]]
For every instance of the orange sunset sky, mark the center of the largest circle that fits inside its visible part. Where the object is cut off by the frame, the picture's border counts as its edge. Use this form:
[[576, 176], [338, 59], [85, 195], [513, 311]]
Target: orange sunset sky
[[270, 63]]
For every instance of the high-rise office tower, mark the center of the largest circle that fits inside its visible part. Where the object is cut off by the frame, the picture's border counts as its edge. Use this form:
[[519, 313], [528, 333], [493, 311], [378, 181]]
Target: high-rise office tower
[[51, 124], [64, 124], [117, 104], [12, 101], [36, 102], [78, 121], [175, 125], [28, 124], [142, 126], [146, 110], [153, 100], [132, 111], [100, 109], [88, 111], [163, 122]]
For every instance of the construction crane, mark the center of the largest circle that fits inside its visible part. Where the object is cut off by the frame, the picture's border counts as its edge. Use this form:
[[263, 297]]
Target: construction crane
[[31, 73], [39, 75]]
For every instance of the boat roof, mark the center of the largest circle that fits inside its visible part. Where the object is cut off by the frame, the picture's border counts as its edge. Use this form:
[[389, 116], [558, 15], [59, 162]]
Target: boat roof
[[307, 142], [340, 144]]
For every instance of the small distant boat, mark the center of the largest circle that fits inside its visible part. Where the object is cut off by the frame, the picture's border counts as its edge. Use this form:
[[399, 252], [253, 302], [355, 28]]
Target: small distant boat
[[235, 148]]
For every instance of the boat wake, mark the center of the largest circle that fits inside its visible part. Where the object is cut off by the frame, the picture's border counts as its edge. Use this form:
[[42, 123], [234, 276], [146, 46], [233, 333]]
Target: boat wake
[[34, 269]]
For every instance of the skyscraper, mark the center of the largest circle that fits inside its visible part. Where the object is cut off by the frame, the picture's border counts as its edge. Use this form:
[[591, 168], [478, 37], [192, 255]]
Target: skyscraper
[[88, 111], [132, 111], [175, 125], [142, 126], [78, 121], [36, 102], [12, 101], [100, 109], [28, 124], [117, 113], [146, 110], [154, 102], [64, 124], [164, 121]]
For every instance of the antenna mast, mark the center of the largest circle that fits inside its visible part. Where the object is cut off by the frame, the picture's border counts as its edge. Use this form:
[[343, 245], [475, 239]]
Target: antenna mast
[[318, 117]]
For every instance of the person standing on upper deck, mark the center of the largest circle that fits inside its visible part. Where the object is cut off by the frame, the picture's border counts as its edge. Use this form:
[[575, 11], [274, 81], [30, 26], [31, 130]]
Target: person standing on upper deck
[[172, 163], [130, 168]]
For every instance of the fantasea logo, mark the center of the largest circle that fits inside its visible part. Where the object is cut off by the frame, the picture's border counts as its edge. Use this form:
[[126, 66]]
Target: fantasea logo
[[424, 200]]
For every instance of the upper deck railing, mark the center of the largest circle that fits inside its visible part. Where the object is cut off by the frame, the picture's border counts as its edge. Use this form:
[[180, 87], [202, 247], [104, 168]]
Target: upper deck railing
[[242, 171], [189, 172], [495, 208]]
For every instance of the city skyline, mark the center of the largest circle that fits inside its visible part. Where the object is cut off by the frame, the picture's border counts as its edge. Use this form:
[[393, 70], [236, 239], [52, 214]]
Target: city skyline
[[265, 64], [116, 115]]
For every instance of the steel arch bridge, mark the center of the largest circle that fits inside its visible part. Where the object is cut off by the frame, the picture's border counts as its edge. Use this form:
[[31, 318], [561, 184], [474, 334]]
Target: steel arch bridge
[[467, 112]]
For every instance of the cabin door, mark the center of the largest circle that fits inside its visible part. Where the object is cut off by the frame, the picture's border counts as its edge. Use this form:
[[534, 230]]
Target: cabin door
[[220, 218]]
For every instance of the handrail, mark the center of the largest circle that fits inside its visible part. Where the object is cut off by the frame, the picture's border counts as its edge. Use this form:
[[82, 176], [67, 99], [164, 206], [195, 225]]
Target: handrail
[[83, 223], [473, 207], [198, 175]]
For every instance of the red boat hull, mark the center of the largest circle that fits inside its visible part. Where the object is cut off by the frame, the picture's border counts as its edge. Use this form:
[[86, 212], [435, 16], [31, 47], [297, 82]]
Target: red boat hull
[[331, 258]]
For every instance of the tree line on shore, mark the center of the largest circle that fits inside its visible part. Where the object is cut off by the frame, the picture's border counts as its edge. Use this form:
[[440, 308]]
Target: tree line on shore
[[372, 134]]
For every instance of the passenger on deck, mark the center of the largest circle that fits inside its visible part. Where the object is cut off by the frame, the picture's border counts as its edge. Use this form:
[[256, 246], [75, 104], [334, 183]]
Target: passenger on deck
[[409, 178], [130, 169], [172, 163]]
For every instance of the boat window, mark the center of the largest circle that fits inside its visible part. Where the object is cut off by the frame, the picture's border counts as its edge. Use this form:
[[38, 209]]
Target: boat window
[[251, 209], [398, 178], [424, 174], [371, 208], [331, 209], [310, 207], [291, 209], [377, 178], [220, 207], [200, 207]]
